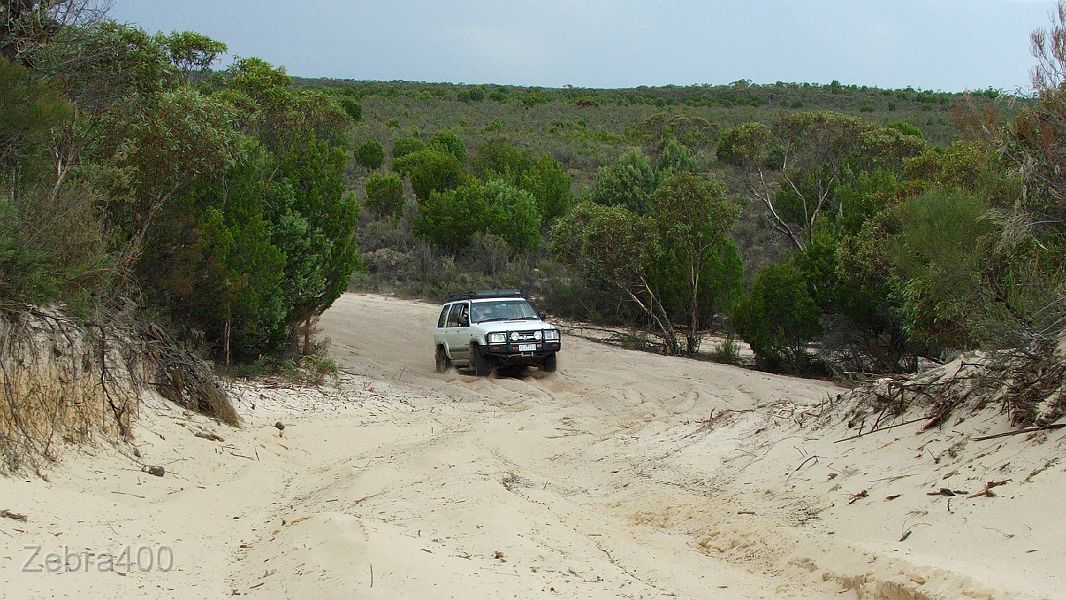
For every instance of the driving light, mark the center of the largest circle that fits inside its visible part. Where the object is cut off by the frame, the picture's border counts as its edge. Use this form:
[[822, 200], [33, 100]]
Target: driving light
[[514, 336], [537, 335], [551, 335], [497, 338]]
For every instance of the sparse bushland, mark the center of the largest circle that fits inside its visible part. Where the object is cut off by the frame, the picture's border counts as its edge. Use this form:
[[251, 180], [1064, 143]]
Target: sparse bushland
[[824, 248]]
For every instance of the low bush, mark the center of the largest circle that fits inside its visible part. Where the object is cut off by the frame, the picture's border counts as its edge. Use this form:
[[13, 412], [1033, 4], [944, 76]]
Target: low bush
[[384, 194], [778, 318]]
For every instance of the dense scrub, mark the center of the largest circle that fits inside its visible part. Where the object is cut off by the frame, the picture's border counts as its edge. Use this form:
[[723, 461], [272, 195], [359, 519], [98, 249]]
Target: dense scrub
[[180, 211]]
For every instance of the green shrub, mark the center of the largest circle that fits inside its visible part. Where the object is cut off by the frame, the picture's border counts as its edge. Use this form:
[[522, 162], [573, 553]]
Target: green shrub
[[906, 128], [369, 155], [430, 171], [447, 141], [550, 186], [449, 219], [406, 145], [938, 256], [726, 352], [676, 158], [778, 318], [628, 183], [352, 108], [500, 159], [384, 193], [474, 93], [512, 214]]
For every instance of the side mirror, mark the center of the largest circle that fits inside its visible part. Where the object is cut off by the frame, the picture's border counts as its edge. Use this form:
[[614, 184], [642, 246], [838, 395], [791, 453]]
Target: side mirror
[[542, 315]]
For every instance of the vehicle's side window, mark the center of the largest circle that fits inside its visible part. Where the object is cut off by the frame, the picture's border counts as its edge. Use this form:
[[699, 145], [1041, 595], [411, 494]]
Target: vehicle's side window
[[464, 315], [453, 316], [443, 315]]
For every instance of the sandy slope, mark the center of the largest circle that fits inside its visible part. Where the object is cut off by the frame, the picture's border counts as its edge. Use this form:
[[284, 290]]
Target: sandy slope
[[623, 475]]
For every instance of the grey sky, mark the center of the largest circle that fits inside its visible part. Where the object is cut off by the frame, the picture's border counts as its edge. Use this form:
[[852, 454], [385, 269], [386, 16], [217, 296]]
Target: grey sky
[[932, 44]]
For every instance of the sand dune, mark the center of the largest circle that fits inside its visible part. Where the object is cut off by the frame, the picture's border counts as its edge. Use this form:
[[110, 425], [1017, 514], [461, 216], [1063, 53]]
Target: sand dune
[[624, 475]]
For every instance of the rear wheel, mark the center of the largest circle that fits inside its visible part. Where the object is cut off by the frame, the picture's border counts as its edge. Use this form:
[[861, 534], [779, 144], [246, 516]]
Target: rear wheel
[[443, 362], [482, 364], [550, 363]]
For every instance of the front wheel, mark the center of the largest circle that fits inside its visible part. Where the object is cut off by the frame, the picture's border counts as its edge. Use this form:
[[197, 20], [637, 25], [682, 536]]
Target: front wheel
[[443, 362], [550, 363], [482, 364]]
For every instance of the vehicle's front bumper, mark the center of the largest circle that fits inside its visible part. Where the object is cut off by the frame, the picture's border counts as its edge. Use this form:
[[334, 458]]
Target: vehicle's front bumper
[[509, 354]]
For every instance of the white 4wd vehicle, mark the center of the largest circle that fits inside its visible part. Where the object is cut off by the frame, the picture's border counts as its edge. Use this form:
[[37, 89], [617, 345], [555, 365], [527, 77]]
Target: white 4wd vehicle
[[493, 328]]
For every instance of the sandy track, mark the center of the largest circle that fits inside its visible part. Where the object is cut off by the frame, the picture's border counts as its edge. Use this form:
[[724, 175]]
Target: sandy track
[[607, 479]]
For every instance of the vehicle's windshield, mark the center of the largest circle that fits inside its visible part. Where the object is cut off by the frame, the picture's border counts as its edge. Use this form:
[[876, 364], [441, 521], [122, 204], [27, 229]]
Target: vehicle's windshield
[[501, 310]]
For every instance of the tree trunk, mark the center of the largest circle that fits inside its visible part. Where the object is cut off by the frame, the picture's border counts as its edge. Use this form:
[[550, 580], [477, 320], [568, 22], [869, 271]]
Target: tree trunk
[[307, 337], [225, 341]]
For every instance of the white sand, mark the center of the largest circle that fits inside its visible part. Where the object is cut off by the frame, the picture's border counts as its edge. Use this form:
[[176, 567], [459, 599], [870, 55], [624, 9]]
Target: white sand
[[605, 480]]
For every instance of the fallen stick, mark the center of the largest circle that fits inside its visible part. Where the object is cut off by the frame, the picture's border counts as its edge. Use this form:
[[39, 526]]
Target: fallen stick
[[813, 457], [1020, 431], [7, 514]]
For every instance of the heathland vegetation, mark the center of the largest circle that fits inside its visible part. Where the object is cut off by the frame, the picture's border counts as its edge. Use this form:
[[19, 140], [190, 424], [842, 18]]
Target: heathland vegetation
[[834, 228]]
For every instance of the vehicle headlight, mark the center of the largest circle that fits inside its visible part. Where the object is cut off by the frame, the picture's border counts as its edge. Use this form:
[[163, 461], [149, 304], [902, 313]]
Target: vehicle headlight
[[551, 335], [537, 335], [514, 336], [497, 338]]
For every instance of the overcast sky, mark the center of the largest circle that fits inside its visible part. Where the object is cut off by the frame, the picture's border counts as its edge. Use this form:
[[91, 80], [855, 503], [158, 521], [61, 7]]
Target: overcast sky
[[931, 44]]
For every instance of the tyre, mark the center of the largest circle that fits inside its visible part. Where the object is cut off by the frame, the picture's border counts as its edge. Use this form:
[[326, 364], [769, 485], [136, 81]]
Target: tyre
[[481, 364], [443, 362], [550, 363]]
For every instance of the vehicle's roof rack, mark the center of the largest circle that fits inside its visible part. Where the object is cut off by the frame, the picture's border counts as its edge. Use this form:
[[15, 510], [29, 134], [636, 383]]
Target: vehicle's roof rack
[[481, 294]]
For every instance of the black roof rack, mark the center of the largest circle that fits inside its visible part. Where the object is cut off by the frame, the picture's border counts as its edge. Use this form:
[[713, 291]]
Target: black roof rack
[[479, 294]]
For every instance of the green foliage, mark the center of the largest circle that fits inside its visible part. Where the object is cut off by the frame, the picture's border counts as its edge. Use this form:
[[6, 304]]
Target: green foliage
[[778, 318], [512, 214], [937, 258], [370, 155], [677, 263], [698, 271], [550, 186], [797, 165], [430, 171], [45, 259], [1035, 150], [500, 159], [257, 78], [189, 139], [29, 108], [218, 269], [906, 128], [628, 183], [316, 229], [447, 141], [352, 108], [192, 52], [676, 158], [690, 131], [384, 193], [727, 351], [406, 145], [474, 93], [750, 143], [450, 218]]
